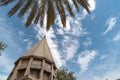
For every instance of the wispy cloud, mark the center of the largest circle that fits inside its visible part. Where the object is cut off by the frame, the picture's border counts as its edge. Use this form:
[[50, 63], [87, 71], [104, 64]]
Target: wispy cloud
[[21, 33], [10, 35], [64, 48], [69, 43], [92, 7], [117, 37], [87, 42], [92, 4], [69, 46], [29, 45], [103, 57], [93, 17], [111, 22], [110, 75], [85, 58], [54, 49], [5, 64], [3, 77]]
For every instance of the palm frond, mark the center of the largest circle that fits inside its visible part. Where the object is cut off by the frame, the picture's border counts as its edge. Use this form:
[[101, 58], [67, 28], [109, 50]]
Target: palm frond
[[43, 12], [16, 8], [84, 4], [61, 11], [25, 8], [5, 2], [76, 5], [38, 10], [40, 13], [32, 14], [37, 17], [50, 14], [68, 7]]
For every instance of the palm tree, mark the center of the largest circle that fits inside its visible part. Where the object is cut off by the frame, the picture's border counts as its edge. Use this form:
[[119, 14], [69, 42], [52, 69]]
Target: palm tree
[[38, 8], [2, 46]]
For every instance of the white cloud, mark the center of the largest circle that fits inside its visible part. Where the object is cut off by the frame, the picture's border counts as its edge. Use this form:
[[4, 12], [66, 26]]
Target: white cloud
[[53, 47], [103, 57], [3, 77], [67, 24], [25, 40], [87, 42], [41, 31], [65, 47], [110, 75], [70, 46], [85, 57], [52, 44], [5, 64], [117, 37], [111, 22], [29, 45], [21, 33], [92, 17], [92, 5], [69, 42]]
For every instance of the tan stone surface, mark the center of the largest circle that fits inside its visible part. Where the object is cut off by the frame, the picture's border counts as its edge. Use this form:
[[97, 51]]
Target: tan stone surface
[[36, 64], [41, 49]]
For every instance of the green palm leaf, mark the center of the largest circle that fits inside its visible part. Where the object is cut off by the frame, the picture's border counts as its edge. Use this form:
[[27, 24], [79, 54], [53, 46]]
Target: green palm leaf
[[76, 5], [68, 7], [84, 4], [43, 12], [38, 9], [51, 14], [31, 15], [5, 2], [25, 8], [16, 8], [61, 11]]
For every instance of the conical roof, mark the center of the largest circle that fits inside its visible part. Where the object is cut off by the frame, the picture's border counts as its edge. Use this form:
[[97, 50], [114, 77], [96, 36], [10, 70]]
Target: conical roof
[[41, 49]]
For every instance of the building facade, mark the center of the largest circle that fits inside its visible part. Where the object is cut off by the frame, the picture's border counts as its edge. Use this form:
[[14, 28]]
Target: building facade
[[36, 64]]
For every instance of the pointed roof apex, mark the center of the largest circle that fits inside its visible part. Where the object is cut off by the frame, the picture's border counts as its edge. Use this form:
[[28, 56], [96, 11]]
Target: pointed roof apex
[[41, 49], [45, 36]]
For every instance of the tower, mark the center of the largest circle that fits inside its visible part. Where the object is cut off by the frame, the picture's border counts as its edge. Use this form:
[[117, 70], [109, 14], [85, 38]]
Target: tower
[[36, 64]]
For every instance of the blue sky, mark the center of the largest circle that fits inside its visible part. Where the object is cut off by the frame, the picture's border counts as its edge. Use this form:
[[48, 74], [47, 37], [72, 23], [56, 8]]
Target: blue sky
[[89, 46]]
